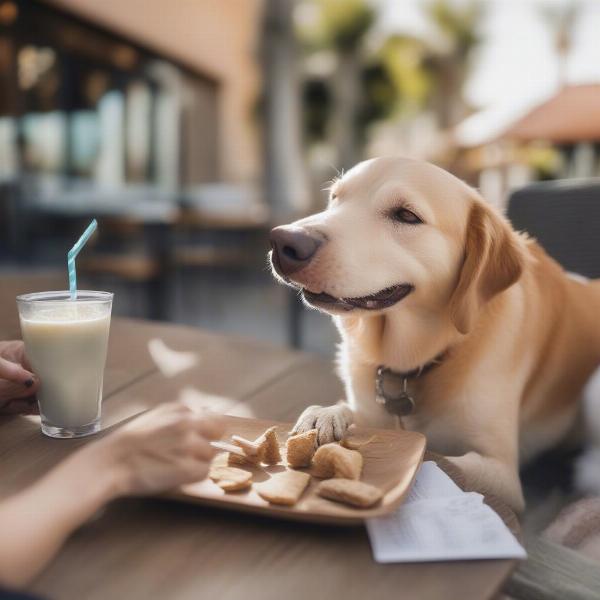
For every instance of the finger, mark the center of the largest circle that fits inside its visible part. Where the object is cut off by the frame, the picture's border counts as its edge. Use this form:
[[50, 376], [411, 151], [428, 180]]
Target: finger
[[17, 391], [15, 352], [25, 362], [201, 449], [178, 407], [193, 470], [12, 350], [209, 426], [20, 407], [16, 373], [175, 408]]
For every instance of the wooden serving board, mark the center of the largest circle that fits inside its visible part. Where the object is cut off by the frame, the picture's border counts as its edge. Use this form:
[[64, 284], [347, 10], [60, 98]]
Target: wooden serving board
[[391, 460]]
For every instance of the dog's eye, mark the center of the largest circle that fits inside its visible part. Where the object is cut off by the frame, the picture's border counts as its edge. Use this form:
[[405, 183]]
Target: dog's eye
[[403, 215]]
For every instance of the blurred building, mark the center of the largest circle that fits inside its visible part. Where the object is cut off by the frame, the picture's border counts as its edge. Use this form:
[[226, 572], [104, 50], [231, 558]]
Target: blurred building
[[217, 39], [129, 91], [127, 110], [143, 115], [557, 138]]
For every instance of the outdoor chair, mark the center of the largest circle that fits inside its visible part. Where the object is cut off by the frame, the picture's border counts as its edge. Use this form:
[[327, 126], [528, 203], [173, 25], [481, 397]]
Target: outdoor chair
[[564, 217], [136, 255]]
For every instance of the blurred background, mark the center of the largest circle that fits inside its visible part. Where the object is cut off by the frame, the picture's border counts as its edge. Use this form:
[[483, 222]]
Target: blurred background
[[190, 128]]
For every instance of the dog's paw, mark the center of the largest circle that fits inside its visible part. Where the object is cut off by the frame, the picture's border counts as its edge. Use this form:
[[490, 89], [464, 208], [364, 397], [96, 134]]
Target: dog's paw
[[331, 422]]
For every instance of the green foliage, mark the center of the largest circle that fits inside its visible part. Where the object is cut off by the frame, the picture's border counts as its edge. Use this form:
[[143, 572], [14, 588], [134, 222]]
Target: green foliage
[[405, 61], [543, 159], [379, 101], [380, 92], [457, 23], [340, 24], [400, 74]]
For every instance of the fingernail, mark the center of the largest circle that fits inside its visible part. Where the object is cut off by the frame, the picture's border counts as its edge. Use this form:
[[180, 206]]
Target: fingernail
[[29, 383]]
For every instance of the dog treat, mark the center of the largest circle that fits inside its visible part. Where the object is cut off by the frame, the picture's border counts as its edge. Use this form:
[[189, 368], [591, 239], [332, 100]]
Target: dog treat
[[254, 452], [271, 446], [332, 460], [230, 479], [350, 491], [235, 460], [300, 448], [283, 488], [264, 448]]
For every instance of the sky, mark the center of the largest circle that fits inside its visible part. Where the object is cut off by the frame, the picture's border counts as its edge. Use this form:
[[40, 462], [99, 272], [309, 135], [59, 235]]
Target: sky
[[516, 64]]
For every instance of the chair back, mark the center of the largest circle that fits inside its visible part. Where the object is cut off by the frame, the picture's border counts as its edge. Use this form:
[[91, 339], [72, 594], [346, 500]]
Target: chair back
[[564, 217]]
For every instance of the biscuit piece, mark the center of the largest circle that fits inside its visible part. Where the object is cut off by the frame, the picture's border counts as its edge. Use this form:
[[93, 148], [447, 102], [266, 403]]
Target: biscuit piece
[[236, 460], [332, 460], [270, 445], [254, 452], [301, 448], [230, 479], [350, 491], [283, 488], [264, 449]]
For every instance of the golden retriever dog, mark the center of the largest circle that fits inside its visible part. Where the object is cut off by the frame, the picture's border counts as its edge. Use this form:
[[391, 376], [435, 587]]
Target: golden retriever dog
[[451, 323]]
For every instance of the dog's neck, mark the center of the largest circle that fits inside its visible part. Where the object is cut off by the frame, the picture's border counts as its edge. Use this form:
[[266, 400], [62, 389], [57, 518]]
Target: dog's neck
[[400, 340]]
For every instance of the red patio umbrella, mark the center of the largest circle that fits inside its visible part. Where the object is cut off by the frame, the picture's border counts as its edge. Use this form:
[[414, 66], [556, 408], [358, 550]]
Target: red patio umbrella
[[571, 116]]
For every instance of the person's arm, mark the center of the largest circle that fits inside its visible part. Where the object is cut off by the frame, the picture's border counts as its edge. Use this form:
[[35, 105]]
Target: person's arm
[[35, 522], [164, 448]]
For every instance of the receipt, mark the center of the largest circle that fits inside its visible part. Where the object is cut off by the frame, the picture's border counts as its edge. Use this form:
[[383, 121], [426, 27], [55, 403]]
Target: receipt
[[440, 522]]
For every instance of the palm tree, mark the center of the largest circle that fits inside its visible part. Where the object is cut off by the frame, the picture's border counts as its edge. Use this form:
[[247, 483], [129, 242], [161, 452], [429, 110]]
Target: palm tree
[[401, 75], [561, 20], [341, 27], [448, 61]]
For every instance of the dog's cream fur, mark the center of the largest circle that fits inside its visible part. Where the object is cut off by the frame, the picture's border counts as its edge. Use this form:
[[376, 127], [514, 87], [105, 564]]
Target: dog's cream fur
[[521, 337]]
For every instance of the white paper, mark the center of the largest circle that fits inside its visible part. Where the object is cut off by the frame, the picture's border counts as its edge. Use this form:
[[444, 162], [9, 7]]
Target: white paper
[[430, 483], [438, 521]]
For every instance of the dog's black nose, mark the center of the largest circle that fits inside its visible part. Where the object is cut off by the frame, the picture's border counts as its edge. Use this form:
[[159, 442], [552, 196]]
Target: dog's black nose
[[293, 248]]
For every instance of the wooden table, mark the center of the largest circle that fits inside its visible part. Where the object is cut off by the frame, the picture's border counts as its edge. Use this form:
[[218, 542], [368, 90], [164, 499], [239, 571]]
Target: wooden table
[[158, 549]]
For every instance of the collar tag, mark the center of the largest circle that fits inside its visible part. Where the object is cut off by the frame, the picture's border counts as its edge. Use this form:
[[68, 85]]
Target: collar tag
[[397, 402]]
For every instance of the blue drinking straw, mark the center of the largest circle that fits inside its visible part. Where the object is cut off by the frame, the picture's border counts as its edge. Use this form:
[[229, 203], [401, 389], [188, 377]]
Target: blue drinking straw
[[73, 252]]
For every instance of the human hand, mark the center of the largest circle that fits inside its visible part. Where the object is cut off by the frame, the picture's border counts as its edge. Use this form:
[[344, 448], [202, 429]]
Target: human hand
[[161, 449], [164, 448], [18, 384]]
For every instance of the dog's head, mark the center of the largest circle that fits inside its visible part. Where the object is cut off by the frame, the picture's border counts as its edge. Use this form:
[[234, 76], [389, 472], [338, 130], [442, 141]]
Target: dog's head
[[399, 233]]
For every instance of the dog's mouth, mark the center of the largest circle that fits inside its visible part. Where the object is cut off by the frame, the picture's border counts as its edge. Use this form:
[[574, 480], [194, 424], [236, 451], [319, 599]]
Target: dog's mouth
[[377, 301]]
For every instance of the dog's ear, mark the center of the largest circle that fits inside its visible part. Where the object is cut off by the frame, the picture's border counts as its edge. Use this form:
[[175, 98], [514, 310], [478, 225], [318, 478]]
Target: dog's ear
[[493, 261]]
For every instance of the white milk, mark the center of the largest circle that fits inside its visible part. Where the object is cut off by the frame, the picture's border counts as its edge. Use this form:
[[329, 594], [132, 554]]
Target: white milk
[[66, 345]]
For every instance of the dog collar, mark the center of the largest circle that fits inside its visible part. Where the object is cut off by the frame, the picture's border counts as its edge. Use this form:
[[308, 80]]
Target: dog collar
[[400, 403]]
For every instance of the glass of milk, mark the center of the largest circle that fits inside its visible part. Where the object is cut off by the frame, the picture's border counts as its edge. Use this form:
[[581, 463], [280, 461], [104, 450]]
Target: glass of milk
[[65, 342]]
